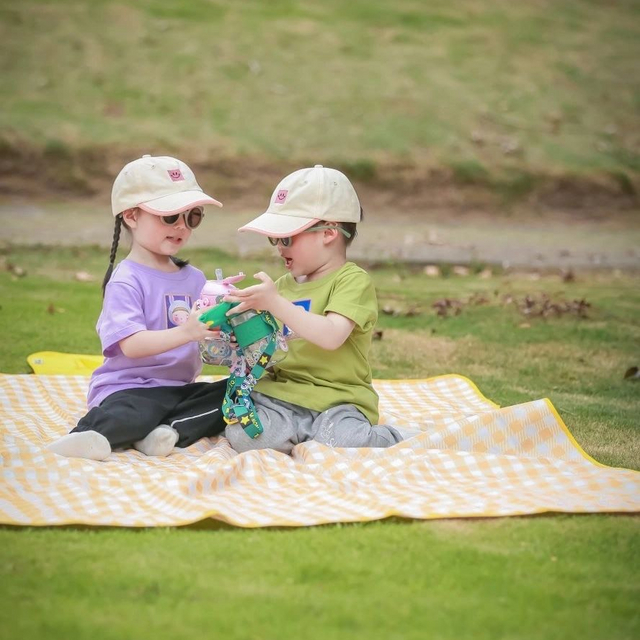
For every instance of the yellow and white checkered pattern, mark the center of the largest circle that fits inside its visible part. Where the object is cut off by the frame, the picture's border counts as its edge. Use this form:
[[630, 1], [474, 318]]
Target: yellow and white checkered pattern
[[472, 459]]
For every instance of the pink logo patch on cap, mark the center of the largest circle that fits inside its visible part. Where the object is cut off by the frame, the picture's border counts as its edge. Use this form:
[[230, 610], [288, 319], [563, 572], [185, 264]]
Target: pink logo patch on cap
[[281, 196], [175, 174]]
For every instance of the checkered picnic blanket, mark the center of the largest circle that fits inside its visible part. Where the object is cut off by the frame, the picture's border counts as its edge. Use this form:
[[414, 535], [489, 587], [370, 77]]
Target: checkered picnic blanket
[[472, 459]]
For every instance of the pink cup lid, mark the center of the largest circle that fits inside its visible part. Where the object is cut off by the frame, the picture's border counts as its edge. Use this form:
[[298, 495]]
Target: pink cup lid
[[221, 286]]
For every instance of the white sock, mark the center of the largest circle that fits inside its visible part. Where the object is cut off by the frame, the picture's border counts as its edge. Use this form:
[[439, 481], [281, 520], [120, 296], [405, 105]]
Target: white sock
[[82, 444], [159, 442]]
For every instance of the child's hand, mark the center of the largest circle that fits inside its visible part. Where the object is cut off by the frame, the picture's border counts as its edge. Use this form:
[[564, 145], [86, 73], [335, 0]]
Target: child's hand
[[145, 344], [194, 329], [261, 296], [216, 334]]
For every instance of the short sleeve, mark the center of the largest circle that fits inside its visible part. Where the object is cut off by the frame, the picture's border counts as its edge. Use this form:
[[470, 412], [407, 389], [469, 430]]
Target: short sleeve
[[354, 297], [122, 316]]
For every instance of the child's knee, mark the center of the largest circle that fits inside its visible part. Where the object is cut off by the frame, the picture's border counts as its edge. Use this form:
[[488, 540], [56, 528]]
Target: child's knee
[[270, 438], [239, 440], [346, 426]]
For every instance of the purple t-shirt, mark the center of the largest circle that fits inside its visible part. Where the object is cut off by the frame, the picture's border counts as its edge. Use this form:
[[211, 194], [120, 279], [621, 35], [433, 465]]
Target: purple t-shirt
[[139, 298]]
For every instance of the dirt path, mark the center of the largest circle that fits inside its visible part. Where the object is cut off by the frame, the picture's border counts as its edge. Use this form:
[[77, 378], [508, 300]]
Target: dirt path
[[552, 241]]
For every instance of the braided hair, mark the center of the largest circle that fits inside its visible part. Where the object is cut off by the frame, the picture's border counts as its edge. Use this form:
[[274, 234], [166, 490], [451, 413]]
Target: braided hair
[[114, 249], [178, 262]]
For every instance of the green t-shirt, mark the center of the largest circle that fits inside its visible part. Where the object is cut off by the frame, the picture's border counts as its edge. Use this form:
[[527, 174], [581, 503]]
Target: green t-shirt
[[318, 379]]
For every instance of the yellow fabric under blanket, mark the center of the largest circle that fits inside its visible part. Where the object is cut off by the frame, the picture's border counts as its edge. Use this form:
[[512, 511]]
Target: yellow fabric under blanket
[[473, 459], [68, 364]]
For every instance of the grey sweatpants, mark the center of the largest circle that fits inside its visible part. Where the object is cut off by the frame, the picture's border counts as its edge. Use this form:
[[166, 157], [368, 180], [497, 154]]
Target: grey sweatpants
[[285, 425]]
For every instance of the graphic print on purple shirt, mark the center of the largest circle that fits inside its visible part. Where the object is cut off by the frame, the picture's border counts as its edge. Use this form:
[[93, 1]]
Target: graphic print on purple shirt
[[306, 305], [178, 309]]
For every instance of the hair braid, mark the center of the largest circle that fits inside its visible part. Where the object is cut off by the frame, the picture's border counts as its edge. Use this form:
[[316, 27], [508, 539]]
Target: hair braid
[[179, 262], [114, 250]]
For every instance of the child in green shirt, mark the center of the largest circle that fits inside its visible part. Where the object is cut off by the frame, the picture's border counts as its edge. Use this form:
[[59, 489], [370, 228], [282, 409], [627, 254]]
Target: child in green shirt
[[322, 390]]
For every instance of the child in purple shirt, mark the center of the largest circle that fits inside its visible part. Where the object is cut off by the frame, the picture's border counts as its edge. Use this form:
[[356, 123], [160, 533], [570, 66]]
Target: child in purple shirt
[[144, 395]]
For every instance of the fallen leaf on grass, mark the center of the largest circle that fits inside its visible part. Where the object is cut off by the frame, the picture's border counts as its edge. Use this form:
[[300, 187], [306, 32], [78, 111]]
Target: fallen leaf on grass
[[17, 271], [632, 373], [445, 306], [459, 270], [477, 299], [397, 311], [53, 309], [83, 276], [432, 271], [542, 306]]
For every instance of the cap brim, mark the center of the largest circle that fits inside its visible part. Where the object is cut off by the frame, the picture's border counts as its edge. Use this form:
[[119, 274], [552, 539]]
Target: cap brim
[[177, 202], [279, 226]]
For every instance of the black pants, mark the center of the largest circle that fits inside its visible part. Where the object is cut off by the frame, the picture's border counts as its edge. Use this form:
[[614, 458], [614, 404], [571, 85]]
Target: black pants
[[193, 410]]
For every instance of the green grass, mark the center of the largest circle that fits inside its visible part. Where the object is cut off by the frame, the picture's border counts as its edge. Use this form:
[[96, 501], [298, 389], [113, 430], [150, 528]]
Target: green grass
[[554, 578], [536, 577], [479, 86]]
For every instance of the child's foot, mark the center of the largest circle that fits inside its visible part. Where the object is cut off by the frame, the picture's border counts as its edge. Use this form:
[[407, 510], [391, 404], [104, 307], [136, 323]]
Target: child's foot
[[159, 442], [82, 444]]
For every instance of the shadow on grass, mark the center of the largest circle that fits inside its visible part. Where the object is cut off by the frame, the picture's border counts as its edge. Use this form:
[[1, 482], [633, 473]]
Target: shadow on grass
[[210, 524]]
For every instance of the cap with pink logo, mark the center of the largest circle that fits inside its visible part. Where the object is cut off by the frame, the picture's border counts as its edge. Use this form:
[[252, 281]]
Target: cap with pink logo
[[305, 197], [160, 185]]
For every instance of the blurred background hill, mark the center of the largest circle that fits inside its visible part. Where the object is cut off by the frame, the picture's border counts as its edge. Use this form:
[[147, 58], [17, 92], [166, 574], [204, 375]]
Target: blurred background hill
[[486, 105], [486, 90]]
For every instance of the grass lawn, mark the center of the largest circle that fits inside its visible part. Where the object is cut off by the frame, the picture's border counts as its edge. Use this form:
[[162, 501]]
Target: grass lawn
[[536, 577], [484, 87]]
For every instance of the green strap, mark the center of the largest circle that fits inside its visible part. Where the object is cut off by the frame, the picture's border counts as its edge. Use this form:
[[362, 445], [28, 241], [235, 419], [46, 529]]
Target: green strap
[[237, 405]]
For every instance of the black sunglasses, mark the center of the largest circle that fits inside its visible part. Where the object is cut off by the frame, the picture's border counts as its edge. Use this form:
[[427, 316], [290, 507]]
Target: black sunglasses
[[286, 242], [192, 218]]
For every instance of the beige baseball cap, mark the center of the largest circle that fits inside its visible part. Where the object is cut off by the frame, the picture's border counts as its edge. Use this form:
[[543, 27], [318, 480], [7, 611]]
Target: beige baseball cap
[[305, 197], [160, 185]]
